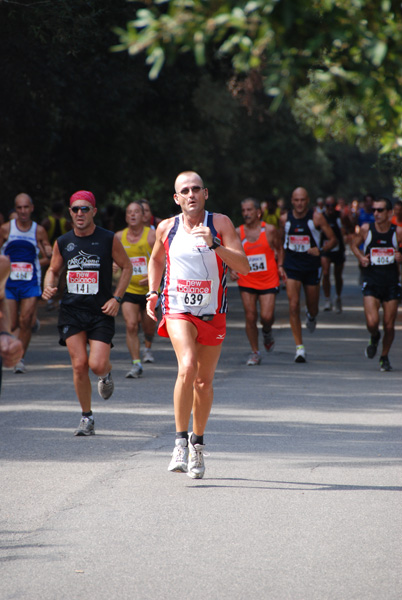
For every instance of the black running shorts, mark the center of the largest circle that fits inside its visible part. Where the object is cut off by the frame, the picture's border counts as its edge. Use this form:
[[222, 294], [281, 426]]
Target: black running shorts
[[382, 292], [306, 277], [72, 321], [135, 299]]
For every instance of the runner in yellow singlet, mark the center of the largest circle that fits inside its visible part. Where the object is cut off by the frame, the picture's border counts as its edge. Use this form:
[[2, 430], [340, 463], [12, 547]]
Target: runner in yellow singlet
[[138, 242]]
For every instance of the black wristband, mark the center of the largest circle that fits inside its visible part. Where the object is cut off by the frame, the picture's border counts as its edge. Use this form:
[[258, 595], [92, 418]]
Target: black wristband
[[7, 333], [149, 294]]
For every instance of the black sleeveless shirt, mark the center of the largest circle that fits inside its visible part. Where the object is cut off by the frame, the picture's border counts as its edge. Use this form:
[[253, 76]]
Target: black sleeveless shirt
[[89, 265], [381, 247], [301, 234]]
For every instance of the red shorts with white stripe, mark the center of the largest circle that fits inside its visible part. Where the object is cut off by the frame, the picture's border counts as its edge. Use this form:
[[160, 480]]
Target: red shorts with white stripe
[[210, 333]]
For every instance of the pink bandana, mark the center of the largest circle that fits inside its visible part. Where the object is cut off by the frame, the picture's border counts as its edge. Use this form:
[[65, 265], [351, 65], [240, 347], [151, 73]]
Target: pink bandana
[[83, 195]]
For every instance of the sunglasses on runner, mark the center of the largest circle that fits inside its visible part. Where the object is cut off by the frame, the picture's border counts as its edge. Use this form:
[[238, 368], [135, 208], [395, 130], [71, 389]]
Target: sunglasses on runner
[[378, 210], [195, 189], [83, 209]]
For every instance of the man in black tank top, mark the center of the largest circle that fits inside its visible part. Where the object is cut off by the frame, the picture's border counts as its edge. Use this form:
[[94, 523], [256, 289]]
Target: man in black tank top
[[302, 265], [380, 259], [335, 256], [88, 307]]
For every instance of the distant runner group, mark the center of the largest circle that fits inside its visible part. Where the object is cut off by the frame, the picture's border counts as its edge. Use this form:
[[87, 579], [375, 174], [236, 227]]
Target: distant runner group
[[183, 266]]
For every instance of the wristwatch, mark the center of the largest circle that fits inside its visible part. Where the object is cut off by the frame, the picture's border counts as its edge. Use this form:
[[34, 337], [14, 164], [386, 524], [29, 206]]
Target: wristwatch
[[118, 299], [215, 243], [149, 294]]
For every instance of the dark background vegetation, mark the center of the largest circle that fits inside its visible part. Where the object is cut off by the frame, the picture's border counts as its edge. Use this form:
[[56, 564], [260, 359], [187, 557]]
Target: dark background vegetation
[[74, 115]]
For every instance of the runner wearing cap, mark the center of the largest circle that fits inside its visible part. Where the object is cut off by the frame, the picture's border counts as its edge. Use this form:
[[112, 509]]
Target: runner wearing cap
[[88, 306]]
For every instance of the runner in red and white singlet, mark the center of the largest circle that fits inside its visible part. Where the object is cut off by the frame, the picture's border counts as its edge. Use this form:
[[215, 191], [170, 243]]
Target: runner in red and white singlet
[[195, 248]]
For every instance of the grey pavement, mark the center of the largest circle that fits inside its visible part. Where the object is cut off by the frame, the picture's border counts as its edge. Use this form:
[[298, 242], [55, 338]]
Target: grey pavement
[[302, 494]]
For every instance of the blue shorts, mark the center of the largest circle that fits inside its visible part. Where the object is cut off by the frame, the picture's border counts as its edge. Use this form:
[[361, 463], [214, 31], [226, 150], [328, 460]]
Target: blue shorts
[[20, 292]]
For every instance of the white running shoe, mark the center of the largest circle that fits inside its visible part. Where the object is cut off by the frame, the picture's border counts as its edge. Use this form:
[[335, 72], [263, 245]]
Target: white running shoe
[[147, 356], [328, 305], [311, 322], [86, 427], [196, 466], [300, 354], [179, 460], [135, 371], [20, 367], [253, 359], [338, 305], [105, 386]]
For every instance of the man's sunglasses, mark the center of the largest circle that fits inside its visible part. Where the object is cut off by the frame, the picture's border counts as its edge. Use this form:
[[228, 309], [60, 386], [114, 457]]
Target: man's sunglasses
[[83, 209], [378, 210], [195, 189]]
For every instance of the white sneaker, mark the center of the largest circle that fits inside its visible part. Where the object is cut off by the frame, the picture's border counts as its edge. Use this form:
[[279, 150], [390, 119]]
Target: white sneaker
[[300, 354], [105, 386], [147, 356], [179, 460], [254, 359], [135, 371], [328, 304], [20, 367], [311, 322], [86, 427], [196, 466], [338, 305]]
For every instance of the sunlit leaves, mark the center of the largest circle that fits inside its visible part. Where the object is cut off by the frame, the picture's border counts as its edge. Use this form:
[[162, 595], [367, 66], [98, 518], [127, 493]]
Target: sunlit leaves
[[344, 56]]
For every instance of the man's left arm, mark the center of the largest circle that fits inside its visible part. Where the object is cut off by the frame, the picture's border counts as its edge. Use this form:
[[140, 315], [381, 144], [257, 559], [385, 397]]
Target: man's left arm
[[321, 223], [111, 307], [231, 251], [44, 245], [274, 239], [398, 253]]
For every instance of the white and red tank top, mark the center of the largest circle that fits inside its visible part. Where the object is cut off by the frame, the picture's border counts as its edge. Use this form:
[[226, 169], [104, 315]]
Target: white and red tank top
[[195, 276]]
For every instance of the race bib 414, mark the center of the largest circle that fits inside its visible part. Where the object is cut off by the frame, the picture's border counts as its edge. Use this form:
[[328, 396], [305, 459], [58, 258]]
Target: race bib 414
[[21, 271]]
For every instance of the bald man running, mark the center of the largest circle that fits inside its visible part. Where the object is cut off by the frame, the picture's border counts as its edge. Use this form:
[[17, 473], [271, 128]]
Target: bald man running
[[23, 240], [302, 265]]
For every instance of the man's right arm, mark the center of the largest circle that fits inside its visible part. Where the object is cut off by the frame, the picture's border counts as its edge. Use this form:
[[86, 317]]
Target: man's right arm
[[156, 266], [357, 240], [53, 274]]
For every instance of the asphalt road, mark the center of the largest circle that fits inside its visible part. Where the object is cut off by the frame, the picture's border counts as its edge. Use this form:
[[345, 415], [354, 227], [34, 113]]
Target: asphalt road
[[302, 494]]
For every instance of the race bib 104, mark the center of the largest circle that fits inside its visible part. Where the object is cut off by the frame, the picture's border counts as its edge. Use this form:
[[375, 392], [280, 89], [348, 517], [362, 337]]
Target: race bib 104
[[140, 266], [194, 292], [83, 282], [21, 271], [257, 262], [382, 256], [299, 243]]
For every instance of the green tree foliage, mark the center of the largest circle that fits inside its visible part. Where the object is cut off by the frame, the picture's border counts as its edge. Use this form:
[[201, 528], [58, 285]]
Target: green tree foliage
[[74, 115], [337, 62]]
